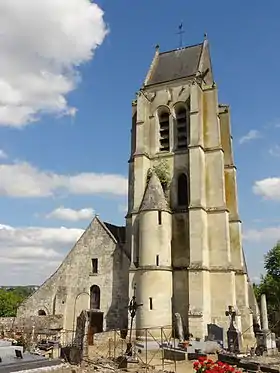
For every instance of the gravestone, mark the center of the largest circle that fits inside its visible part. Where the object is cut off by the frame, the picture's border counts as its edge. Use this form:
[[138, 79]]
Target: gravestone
[[215, 333], [179, 327], [261, 343], [273, 341]]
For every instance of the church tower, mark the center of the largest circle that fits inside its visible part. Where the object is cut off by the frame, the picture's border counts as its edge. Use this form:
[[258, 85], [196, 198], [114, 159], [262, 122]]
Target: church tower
[[182, 170]]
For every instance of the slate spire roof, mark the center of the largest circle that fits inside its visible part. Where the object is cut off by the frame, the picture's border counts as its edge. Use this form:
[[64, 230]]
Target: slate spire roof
[[154, 198], [175, 64]]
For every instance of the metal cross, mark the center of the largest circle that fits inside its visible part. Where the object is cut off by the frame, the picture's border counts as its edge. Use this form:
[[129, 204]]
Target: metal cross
[[232, 315], [180, 33], [132, 309]]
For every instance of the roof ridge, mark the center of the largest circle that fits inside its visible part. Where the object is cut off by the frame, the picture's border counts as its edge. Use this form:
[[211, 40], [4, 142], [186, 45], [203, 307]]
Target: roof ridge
[[179, 49]]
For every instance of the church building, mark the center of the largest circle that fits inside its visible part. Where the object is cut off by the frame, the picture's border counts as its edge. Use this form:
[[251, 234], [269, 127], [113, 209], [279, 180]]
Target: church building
[[181, 251]]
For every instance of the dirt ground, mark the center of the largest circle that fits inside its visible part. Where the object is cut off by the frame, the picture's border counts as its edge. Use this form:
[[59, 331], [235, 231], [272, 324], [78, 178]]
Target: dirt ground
[[181, 367]]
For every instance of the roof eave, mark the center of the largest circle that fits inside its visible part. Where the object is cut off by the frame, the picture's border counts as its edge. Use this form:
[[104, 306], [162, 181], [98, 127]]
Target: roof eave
[[189, 77]]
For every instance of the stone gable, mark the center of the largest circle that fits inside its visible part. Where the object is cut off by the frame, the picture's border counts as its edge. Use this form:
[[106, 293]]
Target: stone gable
[[67, 291]]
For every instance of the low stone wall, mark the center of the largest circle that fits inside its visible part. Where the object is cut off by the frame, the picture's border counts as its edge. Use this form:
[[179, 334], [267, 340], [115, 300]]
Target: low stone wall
[[40, 323]]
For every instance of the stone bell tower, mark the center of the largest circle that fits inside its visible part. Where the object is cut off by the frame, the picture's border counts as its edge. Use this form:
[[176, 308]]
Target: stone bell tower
[[181, 136]]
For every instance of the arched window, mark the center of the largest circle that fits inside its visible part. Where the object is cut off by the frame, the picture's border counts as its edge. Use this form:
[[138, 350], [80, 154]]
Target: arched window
[[182, 125], [42, 313], [94, 297], [182, 191], [164, 138]]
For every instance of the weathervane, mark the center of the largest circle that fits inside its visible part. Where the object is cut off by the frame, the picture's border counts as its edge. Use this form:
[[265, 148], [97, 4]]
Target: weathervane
[[180, 33]]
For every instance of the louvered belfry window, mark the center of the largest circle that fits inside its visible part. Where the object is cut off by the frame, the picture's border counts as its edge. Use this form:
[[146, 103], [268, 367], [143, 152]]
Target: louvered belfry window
[[164, 137]]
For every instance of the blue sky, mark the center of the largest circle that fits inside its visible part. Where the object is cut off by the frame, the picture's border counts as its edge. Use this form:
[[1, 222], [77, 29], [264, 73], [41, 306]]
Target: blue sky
[[71, 160]]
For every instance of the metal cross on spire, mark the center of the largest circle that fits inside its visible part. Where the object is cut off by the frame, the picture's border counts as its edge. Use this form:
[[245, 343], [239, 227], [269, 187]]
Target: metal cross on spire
[[180, 33]]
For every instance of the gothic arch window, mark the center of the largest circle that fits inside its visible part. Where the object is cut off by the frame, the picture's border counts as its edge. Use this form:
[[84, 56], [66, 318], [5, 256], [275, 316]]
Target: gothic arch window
[[95, 297], [183, 191], [164, 136], [182, 115], [42, 313]]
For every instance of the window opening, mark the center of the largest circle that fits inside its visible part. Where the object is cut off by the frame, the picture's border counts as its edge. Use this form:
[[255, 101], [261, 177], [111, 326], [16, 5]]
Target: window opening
[[164, 131], [151, 303], [95, 297], [182, 120], [182, 192], [94, 265], [157, 260], [159, 218]]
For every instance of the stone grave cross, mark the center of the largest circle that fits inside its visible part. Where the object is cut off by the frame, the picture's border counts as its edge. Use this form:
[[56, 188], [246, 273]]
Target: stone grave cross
[[233, 336], [232, 314]]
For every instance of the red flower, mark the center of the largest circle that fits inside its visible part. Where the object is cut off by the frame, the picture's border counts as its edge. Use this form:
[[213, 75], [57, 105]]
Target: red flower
[[201, 359]]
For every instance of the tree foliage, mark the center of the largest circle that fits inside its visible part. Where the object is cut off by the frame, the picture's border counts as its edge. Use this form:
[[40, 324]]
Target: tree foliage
[[270, 282], [11, 298], [272, 262]]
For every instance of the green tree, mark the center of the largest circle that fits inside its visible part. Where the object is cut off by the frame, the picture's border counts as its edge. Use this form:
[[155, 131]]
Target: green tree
[[9, 301], [272, 262], [270, 283], [11, 298]]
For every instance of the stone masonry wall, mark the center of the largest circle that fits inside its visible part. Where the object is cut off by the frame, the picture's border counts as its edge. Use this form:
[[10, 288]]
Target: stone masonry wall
[[39, 322], [67, 291]]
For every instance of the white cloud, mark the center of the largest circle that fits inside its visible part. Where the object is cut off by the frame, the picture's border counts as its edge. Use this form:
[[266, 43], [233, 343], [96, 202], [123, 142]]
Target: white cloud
[[122, 208], [268, 188], [275, 151], [251, 135], [63, 213], [3, 155], [29, 255], [42, 45], [24, 180], [269, 234]]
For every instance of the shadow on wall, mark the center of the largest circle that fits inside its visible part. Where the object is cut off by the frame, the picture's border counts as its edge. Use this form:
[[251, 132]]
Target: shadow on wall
[[179, 201], [117, 315]]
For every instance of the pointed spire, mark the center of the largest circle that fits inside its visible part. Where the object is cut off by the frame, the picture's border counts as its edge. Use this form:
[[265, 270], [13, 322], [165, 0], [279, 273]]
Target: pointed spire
[[154, 198]]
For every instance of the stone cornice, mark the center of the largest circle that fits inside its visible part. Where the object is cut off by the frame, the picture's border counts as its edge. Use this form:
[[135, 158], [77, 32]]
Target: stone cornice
[[205, 149], [178, 152], [150, 268], [155, 209], [214, 210], [186, 81], [196, 146], [212, 87], [194, 267], [209, 210], [213, 149], [185, 210], [230, 167], [135, 155], [235, 220]]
